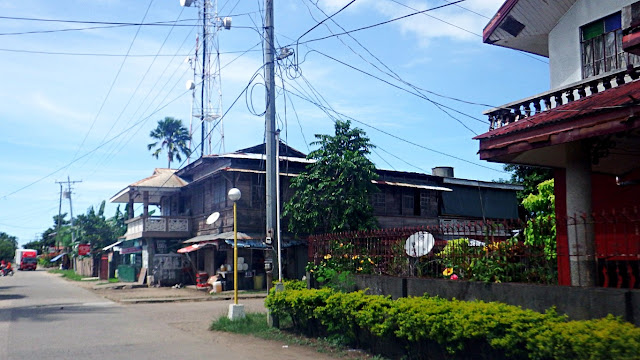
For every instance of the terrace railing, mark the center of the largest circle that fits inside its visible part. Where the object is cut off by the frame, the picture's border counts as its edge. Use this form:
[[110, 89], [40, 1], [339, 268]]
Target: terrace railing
[[524, 108]]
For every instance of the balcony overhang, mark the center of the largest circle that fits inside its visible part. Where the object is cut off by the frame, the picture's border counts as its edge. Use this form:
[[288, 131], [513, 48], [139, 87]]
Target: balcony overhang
[[525, 24], [609, 119]]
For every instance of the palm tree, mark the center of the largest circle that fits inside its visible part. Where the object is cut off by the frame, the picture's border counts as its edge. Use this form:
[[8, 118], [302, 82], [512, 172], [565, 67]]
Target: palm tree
[[171, 134]]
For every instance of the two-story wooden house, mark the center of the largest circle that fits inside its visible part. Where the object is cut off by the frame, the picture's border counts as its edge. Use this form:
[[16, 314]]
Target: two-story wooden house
[[586, 127], [187, 197]]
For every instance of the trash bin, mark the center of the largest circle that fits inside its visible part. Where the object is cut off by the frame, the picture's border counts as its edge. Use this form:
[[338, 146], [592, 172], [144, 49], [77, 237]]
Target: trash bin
[[258, 282]]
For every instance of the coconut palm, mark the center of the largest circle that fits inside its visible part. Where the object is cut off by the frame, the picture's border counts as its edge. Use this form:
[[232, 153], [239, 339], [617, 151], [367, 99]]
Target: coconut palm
[[173, 136]]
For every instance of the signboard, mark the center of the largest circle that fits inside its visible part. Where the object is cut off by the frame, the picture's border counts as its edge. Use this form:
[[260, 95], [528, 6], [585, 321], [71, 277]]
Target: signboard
[[131, 250], [84, 249]]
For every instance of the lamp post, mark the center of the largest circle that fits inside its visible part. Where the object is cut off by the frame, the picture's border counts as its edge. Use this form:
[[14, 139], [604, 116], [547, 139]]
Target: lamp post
[[236, 311]]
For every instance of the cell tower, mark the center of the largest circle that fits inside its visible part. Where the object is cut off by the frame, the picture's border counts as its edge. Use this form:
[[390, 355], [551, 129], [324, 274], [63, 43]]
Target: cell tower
[[206, 103]]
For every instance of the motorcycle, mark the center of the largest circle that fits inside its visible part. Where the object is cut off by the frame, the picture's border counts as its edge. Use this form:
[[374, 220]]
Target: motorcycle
[[6, 272]]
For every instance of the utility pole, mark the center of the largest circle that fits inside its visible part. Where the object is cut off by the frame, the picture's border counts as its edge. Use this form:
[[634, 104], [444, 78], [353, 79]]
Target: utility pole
[[56, 242], [67, 194], [270, 120]]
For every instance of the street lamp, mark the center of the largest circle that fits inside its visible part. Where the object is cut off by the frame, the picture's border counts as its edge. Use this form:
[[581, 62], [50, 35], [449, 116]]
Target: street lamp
[[236, 311]]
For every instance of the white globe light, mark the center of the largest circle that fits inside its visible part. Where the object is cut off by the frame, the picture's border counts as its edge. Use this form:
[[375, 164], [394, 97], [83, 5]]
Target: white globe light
[[234, 194]]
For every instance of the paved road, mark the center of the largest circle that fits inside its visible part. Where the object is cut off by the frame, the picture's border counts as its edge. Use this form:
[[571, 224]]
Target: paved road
[[45, 317]]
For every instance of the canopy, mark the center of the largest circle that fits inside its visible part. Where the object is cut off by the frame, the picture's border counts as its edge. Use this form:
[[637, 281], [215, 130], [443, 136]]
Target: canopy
[[57, 257], [193, 247]]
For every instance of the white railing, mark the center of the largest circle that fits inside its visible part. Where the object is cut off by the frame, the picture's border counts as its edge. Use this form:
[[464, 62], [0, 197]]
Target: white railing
[[142, 224], [524, 108]]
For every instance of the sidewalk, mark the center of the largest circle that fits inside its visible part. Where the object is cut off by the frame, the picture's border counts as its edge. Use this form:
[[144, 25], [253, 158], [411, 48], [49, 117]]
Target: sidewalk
[[134, 293]]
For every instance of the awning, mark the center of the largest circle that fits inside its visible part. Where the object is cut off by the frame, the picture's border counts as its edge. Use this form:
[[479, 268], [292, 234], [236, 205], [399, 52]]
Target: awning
[[57, 257], [222, 236], [249, 244], [259, 244], [193, 247], [112, 245]]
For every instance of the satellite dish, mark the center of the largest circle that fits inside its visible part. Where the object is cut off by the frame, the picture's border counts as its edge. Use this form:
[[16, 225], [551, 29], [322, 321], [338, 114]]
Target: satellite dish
[[186, 3], [419, 244], [213, 218], [190, 85]]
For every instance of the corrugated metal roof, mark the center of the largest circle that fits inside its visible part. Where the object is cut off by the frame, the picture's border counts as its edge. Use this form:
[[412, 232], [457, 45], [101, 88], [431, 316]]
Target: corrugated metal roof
[[620, 96]]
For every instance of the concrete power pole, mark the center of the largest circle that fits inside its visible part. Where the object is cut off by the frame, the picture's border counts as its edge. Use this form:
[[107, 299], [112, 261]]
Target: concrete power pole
[[270, 120], [67, 194]]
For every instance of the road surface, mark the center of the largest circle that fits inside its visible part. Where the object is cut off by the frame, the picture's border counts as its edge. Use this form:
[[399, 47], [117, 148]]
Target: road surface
[[45, 317]]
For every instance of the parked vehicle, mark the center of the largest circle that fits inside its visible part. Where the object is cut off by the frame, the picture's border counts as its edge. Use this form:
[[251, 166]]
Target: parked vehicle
[[26, 259]]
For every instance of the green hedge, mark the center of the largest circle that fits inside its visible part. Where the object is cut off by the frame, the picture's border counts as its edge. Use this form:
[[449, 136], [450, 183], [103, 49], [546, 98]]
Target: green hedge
[[431, 327]]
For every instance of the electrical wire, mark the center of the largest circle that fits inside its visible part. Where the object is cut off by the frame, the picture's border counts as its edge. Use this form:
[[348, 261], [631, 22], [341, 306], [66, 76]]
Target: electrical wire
[[112, 83], [324, 108], [379, 24]]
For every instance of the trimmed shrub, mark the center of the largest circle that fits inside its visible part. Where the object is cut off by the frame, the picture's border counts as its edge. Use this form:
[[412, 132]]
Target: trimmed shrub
[[450, 329]]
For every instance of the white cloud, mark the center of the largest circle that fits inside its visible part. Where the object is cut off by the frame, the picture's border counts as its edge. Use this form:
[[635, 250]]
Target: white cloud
[[461, 23]]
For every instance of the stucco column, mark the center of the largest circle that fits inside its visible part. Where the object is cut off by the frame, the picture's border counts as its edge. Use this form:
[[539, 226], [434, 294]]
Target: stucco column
[[580, 230], [145, 200], [130, 204]]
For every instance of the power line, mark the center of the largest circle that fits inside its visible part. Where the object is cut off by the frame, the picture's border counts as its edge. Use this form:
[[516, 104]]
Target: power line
[[108, 55], [381, 23], [321, 22], [392, 135], [113, 82]]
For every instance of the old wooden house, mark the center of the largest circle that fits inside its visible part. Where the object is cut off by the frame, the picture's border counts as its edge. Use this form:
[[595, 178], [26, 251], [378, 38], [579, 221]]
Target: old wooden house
[[186, 198]]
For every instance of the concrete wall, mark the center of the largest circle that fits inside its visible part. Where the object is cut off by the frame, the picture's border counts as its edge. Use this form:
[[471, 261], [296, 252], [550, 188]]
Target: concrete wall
[[577, 303], [564, 40]]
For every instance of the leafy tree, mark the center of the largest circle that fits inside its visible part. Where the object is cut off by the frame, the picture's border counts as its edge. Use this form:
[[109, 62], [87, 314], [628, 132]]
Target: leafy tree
[[529, 177], [173, 136], [541, 223], [8, 246], [95, 229], [332, 195]]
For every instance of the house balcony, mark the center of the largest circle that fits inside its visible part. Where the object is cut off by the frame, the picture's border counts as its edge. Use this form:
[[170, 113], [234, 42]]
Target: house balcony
[[158, 227], [537, 104]]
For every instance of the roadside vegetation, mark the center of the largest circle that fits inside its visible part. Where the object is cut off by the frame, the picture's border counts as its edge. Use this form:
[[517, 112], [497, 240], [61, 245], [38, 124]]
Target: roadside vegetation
[[255, 324], [436, 328], [68, 274]]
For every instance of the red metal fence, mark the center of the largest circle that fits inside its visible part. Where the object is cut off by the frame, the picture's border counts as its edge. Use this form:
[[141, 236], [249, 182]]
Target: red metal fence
[[488, 251]]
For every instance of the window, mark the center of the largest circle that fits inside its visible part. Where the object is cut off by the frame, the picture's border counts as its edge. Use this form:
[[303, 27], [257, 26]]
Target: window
[[219, 192], [601, 46], [378, 199]]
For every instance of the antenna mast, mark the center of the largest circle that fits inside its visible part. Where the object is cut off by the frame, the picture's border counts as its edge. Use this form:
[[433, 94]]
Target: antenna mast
[[206, 100]]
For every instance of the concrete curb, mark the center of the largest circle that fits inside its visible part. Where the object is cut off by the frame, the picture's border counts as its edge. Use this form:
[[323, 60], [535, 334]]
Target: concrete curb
[[190, 298]]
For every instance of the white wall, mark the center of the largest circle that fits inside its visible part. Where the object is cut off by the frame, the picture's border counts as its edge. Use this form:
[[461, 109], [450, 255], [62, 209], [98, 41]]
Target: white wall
[[564, 40]]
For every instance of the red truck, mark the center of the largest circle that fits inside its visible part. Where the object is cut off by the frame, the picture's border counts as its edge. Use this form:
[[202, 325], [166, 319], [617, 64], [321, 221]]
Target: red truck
[[26, 259]]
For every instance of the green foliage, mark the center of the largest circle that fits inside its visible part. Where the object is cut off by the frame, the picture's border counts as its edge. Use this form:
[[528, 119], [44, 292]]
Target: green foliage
[[332, 195], [93, 228], [68, 274], [8, 246], [477, 329], [529, 177], [541, 225], [336, 269], [608, 338], [173, 136], [501, 261], [252, 323]]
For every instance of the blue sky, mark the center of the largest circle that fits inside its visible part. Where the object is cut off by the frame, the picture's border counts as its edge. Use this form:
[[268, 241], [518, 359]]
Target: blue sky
[[73, 105]]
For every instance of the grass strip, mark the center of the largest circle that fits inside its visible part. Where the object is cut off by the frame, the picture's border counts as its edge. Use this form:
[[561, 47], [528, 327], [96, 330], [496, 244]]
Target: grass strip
[[255, 324], [68, 274]]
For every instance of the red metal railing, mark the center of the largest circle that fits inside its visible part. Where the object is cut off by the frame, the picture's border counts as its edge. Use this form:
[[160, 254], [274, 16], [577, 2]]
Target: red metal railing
[[494, 251]]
